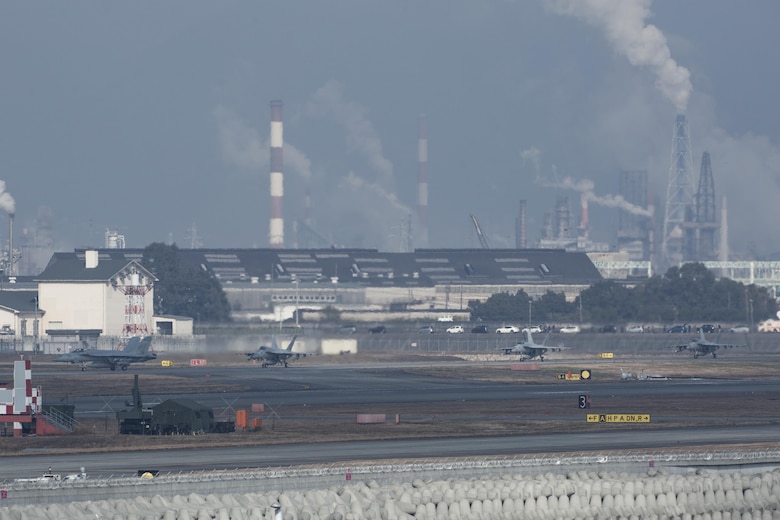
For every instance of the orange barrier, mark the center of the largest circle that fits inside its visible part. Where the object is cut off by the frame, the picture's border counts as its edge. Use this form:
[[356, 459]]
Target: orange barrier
[[242, 419]]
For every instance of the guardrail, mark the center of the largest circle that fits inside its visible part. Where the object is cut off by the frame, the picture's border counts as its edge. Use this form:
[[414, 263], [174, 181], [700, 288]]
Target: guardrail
[[299, 478]]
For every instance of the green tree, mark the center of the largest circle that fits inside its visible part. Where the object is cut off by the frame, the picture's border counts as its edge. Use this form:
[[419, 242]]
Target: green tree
[[501, 307], [608, 302], [183, 289], [552, 306]]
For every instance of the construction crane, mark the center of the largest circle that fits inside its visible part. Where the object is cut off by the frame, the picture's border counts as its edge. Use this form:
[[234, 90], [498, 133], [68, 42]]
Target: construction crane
[[482, 238]]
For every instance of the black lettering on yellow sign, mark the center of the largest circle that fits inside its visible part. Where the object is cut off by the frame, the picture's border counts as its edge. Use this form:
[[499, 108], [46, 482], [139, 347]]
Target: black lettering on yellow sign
[[617, 418]]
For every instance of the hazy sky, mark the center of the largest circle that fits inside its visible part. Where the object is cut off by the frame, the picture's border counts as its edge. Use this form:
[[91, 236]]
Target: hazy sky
[[148, 118]]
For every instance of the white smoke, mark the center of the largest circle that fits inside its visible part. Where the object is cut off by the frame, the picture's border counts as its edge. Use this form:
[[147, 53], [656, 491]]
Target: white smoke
[[534, 156], [378, 191], [6, 200], [362, 138], [586, 187], [244, 147], [625, 27]]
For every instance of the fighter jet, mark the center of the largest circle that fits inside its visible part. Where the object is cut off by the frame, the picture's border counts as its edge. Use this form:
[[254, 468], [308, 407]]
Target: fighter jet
[[701, 346], [274, 355], [136, 351], [529, 350]]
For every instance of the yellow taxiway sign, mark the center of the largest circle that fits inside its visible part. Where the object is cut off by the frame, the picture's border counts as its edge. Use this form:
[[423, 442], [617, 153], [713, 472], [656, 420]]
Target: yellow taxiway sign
[[618, 417]]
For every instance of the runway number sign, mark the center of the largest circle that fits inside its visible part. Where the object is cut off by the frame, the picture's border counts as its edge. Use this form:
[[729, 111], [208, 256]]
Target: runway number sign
[[618, 418]]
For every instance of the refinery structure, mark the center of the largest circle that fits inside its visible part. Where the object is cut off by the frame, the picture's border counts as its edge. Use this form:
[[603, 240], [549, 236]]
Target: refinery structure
[[652, 232]]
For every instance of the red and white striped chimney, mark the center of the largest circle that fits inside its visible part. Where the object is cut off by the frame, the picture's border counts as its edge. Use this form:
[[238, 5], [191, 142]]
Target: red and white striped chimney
[[276, 230], [422, 180]]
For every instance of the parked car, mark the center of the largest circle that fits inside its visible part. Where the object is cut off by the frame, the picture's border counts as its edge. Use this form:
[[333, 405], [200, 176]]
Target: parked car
[[678, 329], [479, 329], [707, 328], [608, 328], [635, 329], [570, 329], [347, 329], [507, 329], [455, 329], [379, 329], [428, 329], [535, 329], [6, 330], [740, 329]]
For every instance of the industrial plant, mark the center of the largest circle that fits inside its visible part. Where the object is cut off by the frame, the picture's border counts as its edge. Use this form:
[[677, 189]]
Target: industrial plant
[[688, 227]]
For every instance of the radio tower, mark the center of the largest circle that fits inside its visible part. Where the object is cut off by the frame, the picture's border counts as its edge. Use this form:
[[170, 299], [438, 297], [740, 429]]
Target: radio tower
[[706, 215], [679, 196], [135, 311]]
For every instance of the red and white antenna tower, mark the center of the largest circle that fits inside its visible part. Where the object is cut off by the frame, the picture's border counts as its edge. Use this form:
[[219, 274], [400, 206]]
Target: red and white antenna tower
[[135, 310]]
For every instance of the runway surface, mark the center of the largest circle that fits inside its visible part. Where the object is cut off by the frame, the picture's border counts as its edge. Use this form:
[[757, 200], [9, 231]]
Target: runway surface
[[128, 463], [377, 384]]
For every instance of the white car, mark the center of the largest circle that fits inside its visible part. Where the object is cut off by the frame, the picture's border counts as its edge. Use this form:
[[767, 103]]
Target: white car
[[635, 328], [507, 329], [455, 329], [536, 329], [570, 329], [740, 329]]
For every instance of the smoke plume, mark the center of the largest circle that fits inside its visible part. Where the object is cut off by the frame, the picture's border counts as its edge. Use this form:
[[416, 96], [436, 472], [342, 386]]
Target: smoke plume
[[534, 156], [243, 146], [624, 25], [6, 200], [361, 136], [586, 187]]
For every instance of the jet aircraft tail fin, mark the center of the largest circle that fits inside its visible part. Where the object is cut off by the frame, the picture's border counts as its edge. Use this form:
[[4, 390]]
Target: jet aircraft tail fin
[[132, 344], [138, 345]]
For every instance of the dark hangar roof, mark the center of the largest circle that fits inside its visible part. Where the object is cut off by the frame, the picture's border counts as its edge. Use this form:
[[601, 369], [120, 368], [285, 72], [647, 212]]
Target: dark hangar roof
[[70, 267], [369, 267]]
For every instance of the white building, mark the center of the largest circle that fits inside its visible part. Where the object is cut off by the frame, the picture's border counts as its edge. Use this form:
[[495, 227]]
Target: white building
[[90, 291]]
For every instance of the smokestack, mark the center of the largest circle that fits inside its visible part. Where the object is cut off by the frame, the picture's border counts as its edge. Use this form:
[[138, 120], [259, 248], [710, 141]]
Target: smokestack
[[276, 229], [521, 238], [422, 179], [651, 227], [584, 222], [10, 270], [562, 213], [723, 249]]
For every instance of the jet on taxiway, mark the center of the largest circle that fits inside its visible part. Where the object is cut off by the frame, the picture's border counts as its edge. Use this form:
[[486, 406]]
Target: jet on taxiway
[[136, 351]]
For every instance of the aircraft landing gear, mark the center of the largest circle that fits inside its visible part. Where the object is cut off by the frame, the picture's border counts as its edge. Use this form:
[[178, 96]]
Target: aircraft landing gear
[[714, 355], [124, 367], [113, 368]]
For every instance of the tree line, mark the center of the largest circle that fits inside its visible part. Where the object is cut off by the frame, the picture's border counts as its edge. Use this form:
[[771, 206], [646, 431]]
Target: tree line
[[690, 293], [686, 294]]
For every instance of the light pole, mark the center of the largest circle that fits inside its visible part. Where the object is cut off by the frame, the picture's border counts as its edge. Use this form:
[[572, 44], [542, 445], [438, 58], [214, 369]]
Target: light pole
[[530, 305], [35, 326], [296, 282]]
